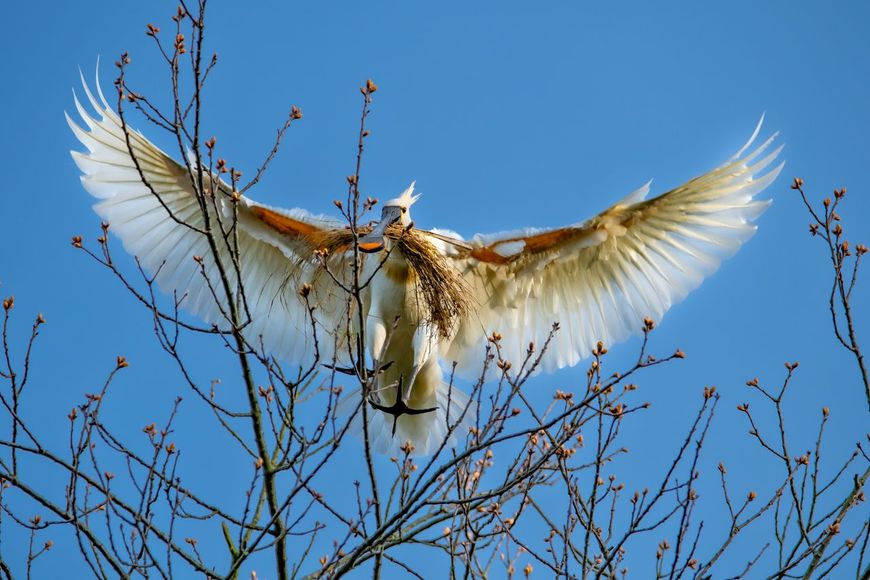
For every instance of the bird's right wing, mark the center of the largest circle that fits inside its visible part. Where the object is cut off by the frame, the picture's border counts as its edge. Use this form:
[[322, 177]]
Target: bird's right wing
[[149, 201]]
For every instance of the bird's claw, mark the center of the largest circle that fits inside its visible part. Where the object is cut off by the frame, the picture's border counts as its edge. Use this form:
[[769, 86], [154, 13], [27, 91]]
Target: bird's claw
[[358, 371], [399, 407]]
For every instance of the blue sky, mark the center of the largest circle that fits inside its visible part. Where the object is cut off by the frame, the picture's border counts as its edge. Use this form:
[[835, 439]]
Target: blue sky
[[507, 115]]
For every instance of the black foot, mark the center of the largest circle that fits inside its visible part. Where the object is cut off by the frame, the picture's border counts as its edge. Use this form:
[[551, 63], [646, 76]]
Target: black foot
[[357, 372], [399, 408]]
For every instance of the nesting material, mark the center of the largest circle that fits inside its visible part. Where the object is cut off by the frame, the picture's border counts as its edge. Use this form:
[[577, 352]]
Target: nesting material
[[438, 288]]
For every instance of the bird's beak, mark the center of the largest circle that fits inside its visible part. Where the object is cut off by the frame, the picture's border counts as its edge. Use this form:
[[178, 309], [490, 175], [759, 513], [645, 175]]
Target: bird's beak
[[374, 240]]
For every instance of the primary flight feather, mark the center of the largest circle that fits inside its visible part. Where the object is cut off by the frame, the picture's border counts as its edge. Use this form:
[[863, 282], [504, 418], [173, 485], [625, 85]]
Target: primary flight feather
[[432, 295]]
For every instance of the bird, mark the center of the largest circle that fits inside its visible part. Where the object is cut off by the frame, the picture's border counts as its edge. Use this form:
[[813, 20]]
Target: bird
[[431, 299]]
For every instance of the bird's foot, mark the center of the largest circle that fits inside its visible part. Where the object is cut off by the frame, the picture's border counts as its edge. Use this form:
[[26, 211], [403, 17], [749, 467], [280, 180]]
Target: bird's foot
[[399, 407], [358, 371]]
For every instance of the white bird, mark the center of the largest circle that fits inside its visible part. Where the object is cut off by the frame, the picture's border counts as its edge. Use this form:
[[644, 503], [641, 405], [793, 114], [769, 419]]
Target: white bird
[[433, 296]]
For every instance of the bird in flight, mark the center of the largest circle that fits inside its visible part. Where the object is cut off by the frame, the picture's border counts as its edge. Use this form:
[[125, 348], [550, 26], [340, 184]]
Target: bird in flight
[[427, 296]]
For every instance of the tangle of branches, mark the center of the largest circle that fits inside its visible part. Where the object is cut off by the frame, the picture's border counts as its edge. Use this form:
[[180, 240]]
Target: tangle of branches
[[529, 487]]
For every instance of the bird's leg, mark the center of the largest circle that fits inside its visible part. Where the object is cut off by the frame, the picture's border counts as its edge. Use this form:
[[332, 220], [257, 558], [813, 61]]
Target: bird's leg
[[399, 407], [376, 331], [422, 344], [422, 347], [376, 334]]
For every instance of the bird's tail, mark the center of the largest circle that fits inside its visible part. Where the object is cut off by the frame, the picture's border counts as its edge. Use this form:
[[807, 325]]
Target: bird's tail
[[446, 426]]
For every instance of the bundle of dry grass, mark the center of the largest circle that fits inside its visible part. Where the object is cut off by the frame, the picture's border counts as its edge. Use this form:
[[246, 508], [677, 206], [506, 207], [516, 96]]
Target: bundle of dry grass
[[443, 296]]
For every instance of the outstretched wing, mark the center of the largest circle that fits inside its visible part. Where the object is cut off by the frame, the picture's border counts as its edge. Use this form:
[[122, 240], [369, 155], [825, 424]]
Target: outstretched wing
[[150, 202], [599, 279]]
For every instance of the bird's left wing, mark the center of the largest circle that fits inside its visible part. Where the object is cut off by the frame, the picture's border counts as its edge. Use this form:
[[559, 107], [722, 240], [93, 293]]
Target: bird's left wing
[[601, 278], [150, 202]]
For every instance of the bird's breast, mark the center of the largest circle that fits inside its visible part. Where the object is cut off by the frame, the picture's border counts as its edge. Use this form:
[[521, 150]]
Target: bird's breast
[[393, 292], [397, 272]]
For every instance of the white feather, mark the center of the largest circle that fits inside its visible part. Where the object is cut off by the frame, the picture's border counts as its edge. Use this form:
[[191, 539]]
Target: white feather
[[602, 284], [271, 270]]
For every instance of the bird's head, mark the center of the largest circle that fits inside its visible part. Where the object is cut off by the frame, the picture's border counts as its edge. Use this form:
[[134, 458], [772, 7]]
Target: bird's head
[[395, 211]]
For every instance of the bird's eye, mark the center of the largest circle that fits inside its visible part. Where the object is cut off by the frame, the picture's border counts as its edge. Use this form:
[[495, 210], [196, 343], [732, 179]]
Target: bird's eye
[[404, 210]]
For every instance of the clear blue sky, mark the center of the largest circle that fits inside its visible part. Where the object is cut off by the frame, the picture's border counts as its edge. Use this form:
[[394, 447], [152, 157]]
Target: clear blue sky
[[506, 115]]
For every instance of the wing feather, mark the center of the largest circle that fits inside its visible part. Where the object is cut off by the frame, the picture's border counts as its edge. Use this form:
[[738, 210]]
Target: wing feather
[[601, 278], [274, 261]]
